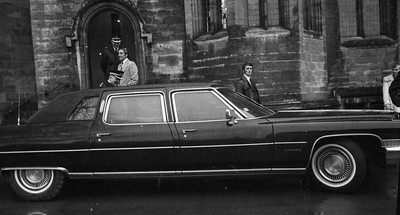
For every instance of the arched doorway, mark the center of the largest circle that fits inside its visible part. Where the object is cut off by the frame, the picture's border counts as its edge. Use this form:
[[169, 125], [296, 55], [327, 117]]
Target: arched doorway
[[101, 27], [94, 25]]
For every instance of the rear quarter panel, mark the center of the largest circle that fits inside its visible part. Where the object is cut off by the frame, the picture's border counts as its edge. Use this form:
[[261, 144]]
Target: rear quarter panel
[[295, 139], [46, 145]]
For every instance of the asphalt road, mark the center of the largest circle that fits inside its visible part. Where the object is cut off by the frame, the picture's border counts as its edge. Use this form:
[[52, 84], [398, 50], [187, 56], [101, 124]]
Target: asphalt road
[[277, 195]]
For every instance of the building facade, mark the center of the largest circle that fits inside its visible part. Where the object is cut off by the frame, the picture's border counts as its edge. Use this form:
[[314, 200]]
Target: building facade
[[306, 53]]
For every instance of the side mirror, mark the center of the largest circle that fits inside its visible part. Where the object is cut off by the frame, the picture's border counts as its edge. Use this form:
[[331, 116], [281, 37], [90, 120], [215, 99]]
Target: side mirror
[[230, 115]]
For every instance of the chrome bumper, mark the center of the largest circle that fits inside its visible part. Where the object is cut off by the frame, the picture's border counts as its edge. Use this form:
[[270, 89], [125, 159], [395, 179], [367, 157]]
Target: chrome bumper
[[392, 150]]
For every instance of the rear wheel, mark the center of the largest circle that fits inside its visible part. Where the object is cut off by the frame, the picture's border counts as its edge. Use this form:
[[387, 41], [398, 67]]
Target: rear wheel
[[36, 184], [339, 166]]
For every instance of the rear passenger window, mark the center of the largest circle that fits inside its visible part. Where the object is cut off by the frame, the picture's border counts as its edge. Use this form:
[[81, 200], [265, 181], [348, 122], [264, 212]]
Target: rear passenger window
[[85, 110], [141, 108]]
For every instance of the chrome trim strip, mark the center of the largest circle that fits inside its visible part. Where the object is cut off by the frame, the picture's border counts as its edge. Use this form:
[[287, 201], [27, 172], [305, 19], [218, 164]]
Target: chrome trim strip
[[142, 123], [179, 172], [339, 135], [24, 168], [389, 140], [289, 169], [199, 171], [343, 110], [173, 172], [134, 148], [227, 145], [288, 143], [225, 170], [136, 173], [138, 148], [81, 174], [393, 149], [45, 151], [201, 121]]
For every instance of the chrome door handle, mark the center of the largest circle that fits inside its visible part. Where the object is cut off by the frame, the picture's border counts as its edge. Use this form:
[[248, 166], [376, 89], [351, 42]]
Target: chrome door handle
[[189, 130], [102, 134]]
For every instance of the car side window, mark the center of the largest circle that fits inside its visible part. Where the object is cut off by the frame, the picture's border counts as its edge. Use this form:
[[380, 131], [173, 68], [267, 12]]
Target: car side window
[[85, 110], [139, 108], [198, 106]]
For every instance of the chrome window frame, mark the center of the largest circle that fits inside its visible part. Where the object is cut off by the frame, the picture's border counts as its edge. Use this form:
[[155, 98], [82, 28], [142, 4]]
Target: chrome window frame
[[109, 97], [196, 90]]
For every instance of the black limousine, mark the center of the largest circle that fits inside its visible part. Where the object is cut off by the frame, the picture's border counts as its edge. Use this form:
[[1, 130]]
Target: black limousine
[[189, 130]]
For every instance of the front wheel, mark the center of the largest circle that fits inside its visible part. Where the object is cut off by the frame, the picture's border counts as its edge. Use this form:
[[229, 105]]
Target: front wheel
[[36, 184], [339, 166]]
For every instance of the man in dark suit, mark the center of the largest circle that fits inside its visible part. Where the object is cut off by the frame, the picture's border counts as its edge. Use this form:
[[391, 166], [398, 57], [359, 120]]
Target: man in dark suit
[[394, 88], [246, 85], [109, 57]]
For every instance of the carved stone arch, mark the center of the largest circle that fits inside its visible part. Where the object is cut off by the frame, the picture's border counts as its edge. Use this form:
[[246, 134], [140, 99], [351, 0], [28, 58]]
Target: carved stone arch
[[80, 35]]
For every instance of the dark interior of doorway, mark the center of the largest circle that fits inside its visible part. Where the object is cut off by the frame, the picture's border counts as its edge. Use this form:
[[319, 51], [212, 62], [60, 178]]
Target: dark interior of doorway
[[101, 28]]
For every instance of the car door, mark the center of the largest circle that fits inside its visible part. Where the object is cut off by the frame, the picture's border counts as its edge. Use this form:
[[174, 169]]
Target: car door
[[209, 144], [131, 135]]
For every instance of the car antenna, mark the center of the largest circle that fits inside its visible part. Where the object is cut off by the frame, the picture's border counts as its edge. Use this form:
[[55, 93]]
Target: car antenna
[[19, 105]]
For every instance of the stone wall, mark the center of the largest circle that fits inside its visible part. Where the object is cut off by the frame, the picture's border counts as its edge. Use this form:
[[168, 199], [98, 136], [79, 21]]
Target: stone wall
[[54, 63], [314, 76], [17, 71], [165, 19], [58, 67], [274, 54], [365, 67]]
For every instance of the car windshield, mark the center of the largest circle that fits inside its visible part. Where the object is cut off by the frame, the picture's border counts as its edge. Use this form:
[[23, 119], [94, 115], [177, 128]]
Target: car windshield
[[247, 107]]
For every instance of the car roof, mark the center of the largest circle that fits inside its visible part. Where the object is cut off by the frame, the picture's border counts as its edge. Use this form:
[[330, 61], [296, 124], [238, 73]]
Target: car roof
[[61, 107]]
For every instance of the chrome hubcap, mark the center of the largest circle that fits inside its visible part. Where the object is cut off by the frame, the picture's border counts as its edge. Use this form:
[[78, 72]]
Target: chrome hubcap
[[35, 176], [34, 180], [333, 165]]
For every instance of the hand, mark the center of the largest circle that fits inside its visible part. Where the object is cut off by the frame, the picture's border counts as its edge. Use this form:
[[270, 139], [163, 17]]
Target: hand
[[388, 107]]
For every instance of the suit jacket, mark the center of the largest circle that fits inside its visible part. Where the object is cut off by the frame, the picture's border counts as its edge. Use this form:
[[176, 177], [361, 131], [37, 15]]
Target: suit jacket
[[394, 91], [387, 101], [242, 86], [130, 70], [109, 61]]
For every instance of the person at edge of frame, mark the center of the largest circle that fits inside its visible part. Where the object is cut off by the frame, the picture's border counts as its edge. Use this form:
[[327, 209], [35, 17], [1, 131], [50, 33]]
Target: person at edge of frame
[[387, 82]]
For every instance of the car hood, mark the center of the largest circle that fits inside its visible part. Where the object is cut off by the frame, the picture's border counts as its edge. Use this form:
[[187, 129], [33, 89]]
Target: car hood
[[378, 115]]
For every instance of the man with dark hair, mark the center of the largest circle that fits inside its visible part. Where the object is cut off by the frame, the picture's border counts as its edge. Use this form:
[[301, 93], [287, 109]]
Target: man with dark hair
[[246, 85], [387, 82], [109, 57], [394, 88]]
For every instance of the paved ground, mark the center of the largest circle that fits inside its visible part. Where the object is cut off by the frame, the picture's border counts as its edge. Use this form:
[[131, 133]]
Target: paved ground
[[278, 195]]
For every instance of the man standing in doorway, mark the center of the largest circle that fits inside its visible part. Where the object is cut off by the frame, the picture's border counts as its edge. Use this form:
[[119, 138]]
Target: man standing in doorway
[[109, 57], [129, 68], [246, 85]]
